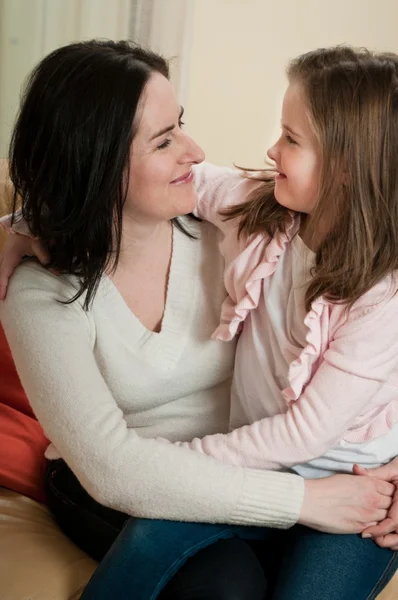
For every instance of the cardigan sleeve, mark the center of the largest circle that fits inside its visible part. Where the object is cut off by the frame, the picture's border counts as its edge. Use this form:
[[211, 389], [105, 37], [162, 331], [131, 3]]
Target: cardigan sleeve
[[217, 189], [359, 360]]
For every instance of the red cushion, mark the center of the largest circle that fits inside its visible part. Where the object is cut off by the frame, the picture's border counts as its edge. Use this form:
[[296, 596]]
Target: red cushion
[[22, 441]]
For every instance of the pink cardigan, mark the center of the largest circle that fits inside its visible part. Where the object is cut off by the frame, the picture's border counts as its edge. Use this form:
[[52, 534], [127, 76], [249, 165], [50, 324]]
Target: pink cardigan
[[344, 384]]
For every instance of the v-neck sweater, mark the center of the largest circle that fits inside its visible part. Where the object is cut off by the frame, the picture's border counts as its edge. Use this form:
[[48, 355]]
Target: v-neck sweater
[[103, 386]]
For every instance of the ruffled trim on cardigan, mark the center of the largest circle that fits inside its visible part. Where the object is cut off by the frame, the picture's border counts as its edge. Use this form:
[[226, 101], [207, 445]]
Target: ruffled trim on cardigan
[[301, 369], [234, 313]]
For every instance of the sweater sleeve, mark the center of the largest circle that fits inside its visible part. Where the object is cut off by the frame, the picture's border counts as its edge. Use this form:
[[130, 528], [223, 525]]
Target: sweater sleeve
[[359, 361], [52, 345]]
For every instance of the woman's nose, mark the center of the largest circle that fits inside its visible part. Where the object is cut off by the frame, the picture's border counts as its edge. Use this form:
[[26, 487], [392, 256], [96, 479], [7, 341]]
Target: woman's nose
[[193, 152]]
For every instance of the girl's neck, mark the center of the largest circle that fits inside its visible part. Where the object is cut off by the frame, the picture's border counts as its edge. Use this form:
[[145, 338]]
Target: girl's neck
[[303, 232], [312, 239]]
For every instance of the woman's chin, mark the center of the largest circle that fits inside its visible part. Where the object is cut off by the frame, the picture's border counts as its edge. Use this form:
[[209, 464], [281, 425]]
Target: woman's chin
[[187, 206]]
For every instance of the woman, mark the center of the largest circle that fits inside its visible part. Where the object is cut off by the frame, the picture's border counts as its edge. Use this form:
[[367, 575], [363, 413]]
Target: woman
[[119, 343]]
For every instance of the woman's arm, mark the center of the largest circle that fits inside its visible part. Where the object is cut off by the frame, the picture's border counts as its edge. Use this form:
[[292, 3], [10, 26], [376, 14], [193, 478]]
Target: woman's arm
[[352, 371], [12, 253], [52, 345]]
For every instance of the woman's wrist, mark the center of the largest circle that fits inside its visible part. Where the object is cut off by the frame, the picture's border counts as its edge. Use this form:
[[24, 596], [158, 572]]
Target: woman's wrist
[[308, 508], [345, 503]]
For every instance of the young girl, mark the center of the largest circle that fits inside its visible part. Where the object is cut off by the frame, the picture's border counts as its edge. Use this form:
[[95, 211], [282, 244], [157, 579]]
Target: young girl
[[311, 258], [311, 273]]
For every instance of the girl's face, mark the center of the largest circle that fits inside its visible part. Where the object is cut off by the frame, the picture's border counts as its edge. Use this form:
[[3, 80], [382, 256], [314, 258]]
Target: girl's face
[[162, 154], [296, 155]]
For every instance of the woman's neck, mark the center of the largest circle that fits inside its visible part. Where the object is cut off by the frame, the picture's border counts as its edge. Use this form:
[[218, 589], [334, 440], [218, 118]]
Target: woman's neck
[[141, 240], [142, 273]]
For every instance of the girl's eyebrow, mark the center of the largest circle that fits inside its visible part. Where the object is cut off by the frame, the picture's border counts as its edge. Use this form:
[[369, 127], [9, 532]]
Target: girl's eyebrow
[[168, 128], [290, 130]]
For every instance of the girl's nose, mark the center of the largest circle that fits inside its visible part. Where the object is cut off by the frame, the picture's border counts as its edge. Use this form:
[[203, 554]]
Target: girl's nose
[[272, 152]]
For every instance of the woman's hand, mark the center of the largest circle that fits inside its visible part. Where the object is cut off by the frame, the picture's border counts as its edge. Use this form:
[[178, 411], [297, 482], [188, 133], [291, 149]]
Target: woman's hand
[[15, 248], [385, 534], [345, 503]]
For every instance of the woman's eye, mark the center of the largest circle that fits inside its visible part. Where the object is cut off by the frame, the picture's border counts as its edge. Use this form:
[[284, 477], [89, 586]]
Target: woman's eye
[[167, 142], [164, 144], [289, 139]]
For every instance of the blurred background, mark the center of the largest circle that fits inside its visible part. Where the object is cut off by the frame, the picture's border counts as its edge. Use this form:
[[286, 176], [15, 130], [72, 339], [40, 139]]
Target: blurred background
[[228, 56]]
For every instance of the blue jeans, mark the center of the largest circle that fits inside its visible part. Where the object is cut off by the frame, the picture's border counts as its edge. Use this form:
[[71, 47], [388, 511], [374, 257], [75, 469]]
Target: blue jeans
[[300, 563]]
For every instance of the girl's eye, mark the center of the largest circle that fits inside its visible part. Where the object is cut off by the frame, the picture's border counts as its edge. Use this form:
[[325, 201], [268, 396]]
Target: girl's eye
[[164, 144], [289, 139], [181, 124]]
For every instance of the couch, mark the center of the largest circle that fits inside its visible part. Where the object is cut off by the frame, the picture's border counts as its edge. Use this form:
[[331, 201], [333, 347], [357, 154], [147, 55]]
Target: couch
[[32, 548]]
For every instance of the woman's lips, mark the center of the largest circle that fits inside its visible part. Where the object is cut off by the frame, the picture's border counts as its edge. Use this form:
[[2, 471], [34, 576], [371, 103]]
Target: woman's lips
[[280, 176], [186, 178]]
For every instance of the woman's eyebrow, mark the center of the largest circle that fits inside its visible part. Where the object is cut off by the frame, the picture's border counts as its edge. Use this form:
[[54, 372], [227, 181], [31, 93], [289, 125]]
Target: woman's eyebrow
[[166, 129]]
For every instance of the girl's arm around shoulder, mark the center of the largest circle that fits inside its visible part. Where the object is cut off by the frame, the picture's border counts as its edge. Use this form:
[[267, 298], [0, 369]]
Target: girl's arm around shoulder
[[218, 188], [52, 345]]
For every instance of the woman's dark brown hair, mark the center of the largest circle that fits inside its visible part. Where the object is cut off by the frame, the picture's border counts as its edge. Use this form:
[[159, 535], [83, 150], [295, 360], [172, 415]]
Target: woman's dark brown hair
[[352, 101], [70, 149]]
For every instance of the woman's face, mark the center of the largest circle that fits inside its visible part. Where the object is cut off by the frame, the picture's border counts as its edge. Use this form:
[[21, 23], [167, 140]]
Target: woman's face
[[161, 157]]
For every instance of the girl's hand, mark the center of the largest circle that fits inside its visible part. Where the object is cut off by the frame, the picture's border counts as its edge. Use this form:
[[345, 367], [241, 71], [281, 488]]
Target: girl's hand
[[385, 534], [345, 503], [388, 472], [15, 248]]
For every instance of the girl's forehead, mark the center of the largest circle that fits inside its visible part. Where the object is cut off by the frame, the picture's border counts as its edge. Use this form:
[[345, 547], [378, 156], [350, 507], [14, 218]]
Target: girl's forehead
[[295, 110]]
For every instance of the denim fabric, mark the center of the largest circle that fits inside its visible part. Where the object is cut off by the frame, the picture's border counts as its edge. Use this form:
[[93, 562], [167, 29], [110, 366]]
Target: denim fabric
[[186, 559], [90, 525], [321, 566], [311, 565], [148, 553]]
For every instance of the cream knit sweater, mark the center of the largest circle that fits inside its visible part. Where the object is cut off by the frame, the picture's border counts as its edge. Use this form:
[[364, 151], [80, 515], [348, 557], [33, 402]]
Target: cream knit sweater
[[103, 386]]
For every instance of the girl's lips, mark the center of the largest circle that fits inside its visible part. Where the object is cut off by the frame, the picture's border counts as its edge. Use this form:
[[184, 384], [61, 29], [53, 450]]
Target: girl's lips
[[280, 176], [186, 178]]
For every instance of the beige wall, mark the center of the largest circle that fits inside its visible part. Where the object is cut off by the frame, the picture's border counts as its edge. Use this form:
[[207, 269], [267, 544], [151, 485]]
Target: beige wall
[[239, 50], [231, 54], [29, 29]]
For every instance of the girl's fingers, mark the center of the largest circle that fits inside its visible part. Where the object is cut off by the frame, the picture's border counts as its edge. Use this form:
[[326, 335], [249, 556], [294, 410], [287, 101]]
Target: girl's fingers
[[381, 529], [388, 541]]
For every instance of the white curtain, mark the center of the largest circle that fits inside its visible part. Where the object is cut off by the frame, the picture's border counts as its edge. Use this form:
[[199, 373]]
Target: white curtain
[[29, 29]]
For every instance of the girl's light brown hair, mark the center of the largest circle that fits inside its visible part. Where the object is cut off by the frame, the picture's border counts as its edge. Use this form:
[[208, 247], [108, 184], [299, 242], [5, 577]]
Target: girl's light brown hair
[[352, 101]]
